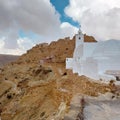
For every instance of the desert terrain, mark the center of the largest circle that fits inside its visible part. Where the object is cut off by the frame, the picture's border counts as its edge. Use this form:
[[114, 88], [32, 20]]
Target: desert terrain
[[38, 87]]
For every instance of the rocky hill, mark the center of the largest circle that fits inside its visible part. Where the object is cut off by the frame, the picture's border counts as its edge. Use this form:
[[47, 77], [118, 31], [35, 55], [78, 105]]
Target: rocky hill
[[38, 87], [57, 50]]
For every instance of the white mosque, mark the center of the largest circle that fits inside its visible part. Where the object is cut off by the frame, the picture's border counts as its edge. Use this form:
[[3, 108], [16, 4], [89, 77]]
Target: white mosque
[[96, 60]]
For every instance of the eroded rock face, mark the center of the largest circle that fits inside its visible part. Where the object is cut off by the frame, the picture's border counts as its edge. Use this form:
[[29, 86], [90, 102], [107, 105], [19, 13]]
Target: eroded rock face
[[38, 83]]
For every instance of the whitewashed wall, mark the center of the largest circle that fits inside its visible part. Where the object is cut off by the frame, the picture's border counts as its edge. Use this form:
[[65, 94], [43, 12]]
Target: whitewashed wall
[[69, 63]]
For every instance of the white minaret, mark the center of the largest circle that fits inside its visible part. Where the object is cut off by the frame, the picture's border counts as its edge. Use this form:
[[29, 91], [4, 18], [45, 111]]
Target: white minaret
[[79, 38], [78, 52]]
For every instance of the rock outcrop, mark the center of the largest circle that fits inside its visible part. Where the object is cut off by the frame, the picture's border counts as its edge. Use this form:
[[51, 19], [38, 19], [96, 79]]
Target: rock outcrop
[[38, 87]]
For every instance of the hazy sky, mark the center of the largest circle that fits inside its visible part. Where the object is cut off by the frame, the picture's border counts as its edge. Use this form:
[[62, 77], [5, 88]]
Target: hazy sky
[[24, 23]]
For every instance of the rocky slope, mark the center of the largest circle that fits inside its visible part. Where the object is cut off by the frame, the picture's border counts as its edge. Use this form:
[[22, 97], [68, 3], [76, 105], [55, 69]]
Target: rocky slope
[[38, 87]]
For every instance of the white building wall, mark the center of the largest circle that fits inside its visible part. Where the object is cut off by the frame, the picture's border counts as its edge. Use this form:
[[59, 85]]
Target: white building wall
[[78, 52], [76, 66], [69, 63], [108, 64], [79, 39], [90, 68], [94, 59], [88, 49]]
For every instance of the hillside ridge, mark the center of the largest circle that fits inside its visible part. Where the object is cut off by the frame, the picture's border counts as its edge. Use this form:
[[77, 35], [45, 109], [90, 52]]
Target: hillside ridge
[[37, 86]]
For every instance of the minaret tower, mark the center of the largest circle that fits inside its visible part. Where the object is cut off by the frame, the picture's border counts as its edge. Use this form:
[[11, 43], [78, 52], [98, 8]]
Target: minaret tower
[[79, 38]]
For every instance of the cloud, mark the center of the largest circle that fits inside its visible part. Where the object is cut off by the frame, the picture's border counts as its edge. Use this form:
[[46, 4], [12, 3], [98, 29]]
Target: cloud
[[68, 29], [10, 40], [99, 18], [29, 15], [36, 16], [23, 44], [2, 42]]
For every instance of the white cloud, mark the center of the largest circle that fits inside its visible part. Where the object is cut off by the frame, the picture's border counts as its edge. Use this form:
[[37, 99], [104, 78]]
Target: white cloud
[[37, 16], [11, 51], [2, 43], [29, 15], [67, 29], [99, 18], [25, 44]]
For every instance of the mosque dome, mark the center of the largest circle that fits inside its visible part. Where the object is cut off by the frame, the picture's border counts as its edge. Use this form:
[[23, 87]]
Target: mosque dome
[[107, 48]]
